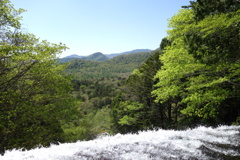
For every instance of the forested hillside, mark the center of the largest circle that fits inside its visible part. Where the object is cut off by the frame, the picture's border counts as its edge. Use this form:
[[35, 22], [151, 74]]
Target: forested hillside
[[95, 85], [127, 52], [192, 79], [195, 79], [98, 56], [120, 66]]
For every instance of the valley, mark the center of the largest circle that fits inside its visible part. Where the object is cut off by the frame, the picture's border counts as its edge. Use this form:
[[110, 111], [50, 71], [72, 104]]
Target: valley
[[179, 101]]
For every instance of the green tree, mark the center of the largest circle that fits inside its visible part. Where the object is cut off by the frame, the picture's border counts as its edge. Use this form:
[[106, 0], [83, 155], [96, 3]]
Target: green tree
[[34, 94], [201, 67], [204, 8], [136, 109], [129, 116], [214, 41]]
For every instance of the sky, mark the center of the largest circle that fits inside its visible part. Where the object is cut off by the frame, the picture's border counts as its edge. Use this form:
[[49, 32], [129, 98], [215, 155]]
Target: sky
[[107, 26]]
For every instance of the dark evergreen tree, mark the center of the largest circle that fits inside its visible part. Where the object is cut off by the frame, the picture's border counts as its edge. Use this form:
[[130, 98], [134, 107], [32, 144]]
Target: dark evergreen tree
[[137, 109]]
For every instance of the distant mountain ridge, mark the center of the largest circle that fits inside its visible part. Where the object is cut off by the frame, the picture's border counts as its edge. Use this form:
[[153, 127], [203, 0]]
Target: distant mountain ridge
[[127, 52], [119, 66], [74, 56], [98, 56]]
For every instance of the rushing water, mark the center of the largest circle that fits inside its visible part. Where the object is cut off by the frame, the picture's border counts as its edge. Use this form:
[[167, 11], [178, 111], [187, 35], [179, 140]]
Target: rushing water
[[200, 143]]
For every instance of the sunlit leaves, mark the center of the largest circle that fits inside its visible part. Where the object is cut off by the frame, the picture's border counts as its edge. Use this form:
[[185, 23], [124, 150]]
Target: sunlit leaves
[[34, 94], [198, 66], [133, 113]]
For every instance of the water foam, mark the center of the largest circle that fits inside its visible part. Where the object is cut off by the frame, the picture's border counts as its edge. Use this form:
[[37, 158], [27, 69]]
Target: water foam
[[200, 143]]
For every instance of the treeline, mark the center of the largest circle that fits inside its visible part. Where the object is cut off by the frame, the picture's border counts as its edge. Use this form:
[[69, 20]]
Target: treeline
[[193, 79], [120, 66], [41, 103], [35, 99], [95, 85]]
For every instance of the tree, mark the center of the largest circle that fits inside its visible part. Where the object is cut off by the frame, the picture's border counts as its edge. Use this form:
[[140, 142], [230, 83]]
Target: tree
[[214, 41], [204, 8], [34, 94], [136, 109], [201, 67]]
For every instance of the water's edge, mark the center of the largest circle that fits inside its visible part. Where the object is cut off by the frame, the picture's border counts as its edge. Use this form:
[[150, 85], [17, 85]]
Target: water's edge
[[207, 143]]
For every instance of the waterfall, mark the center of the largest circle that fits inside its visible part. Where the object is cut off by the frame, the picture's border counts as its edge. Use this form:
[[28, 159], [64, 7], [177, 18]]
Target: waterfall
[[202, 143]]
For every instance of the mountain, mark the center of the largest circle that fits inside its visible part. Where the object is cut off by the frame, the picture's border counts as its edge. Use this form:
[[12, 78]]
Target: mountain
[[120, 66], [74, 56], [127, 52], [69, 58], [98, 56]]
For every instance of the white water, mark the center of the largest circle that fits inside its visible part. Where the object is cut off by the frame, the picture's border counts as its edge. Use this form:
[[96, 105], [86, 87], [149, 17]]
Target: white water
[[200, 143]]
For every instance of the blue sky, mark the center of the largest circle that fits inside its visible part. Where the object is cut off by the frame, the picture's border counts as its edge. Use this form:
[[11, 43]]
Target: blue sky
[[107, 26]]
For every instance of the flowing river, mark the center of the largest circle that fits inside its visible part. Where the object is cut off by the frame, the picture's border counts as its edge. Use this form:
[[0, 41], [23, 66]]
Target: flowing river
[[203, 143]]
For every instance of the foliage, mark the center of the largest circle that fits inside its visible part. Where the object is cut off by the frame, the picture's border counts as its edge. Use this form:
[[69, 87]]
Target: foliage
[[202, 65], [134, 109], [193, 78], [101, 121], [95, 85], [204, 8], [196, 80], [78, 130], [132, 115], [120, 66], [97, 57], [34, 94]]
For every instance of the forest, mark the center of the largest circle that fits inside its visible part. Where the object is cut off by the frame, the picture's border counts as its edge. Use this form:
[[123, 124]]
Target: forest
[[192, 79]]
